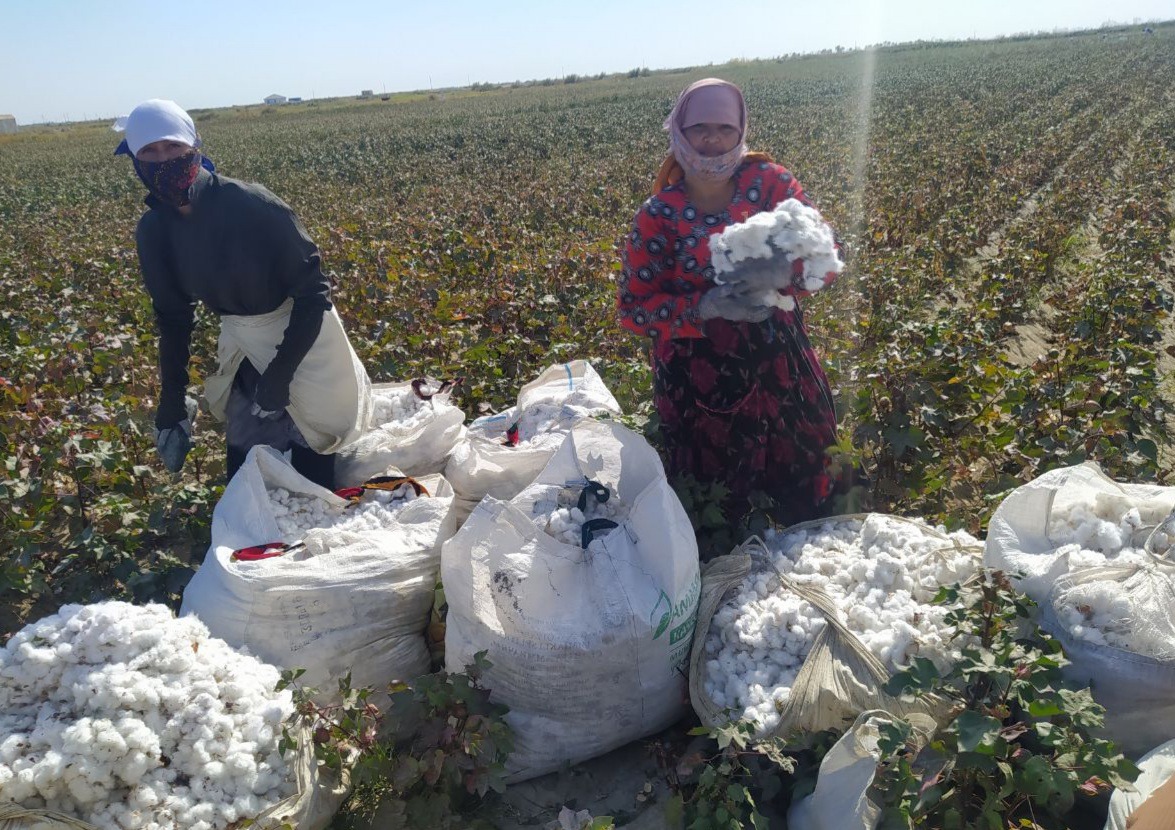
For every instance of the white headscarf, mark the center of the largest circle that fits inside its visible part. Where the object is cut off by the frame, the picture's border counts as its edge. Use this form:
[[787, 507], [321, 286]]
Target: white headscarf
[[159, 120]]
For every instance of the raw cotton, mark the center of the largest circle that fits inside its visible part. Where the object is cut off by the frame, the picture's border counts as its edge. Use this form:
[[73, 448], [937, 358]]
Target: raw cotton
[[881, 574], [127, 717], [295, 515], [1103, 533], [566, 522], [793, 231], [399, 405]]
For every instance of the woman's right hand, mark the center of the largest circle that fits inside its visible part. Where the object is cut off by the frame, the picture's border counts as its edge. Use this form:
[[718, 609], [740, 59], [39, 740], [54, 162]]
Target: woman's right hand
[[760, 273], [173, 443]]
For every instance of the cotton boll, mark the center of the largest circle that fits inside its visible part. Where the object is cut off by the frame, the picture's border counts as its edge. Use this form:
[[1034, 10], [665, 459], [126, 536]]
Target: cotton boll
[[93, 743], [761, 636]]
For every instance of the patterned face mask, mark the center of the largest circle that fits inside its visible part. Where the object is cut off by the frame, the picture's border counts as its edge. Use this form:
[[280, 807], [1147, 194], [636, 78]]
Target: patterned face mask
[[169, 180]]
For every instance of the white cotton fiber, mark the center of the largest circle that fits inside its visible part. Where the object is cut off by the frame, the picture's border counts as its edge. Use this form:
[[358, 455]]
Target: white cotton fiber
[[881, 574], [128, 717]]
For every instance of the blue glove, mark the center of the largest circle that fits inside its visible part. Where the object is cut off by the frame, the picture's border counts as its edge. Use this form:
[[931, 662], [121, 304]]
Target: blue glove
[[173, 443]]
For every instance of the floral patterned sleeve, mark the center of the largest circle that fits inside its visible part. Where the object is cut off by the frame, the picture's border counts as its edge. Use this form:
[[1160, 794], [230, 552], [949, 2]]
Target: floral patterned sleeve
[[653, 299], [783, 186]]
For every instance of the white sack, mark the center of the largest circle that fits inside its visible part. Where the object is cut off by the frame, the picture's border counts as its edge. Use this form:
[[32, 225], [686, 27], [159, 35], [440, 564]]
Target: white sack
[[347, 602], [589, 647], [330, 394], [415, 446]]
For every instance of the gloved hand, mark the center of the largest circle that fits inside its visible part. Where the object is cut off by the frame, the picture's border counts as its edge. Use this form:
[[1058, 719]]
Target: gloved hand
[[1157, 812], [172, 443], [271, 398], [265, 414], [733, 302], [761, 274]]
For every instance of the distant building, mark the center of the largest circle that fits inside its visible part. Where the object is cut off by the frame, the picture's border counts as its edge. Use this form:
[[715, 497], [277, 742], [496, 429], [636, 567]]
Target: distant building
[[275, 99], [294, 101], [7, 124], [367, 93]]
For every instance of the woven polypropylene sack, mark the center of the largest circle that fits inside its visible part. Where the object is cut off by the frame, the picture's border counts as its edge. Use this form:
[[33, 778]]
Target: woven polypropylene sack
[[355, 602], [486, 463], [417, 448], [1018, 541], [838, 680], [589, 647], [1136, 689]]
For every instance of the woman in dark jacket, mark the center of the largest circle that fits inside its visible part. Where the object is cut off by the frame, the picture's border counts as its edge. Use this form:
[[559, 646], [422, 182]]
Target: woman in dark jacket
[[288, 377]]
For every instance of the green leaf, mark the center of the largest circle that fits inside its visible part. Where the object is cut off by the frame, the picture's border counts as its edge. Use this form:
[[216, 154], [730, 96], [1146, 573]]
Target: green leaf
[[1044, 708], [674, 810], [977, 732], [1036, 778]]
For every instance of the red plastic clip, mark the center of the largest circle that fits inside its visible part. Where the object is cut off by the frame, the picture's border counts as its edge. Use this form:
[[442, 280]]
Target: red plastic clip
[[385, 483], [267, 551], [350, 493]]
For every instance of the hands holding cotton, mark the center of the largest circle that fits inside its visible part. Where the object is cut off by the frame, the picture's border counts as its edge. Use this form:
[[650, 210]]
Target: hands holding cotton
[[789, 249]]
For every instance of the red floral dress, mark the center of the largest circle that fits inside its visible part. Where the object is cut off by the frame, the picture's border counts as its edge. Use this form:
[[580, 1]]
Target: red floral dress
[[745, 404]]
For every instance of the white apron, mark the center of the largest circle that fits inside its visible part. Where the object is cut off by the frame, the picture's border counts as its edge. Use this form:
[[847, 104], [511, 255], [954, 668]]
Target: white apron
[[330, 394]]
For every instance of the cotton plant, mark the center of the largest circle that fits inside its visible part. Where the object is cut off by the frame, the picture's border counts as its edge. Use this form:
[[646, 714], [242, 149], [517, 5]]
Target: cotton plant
[[296, 515], [127, 717], [790, 247], [881, 574]]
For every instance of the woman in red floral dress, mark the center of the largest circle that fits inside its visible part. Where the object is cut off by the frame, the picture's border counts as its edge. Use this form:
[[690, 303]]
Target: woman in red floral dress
[[741, 395]]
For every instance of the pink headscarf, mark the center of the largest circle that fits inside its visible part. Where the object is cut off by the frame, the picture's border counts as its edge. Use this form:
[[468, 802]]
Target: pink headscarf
[[708, 101]]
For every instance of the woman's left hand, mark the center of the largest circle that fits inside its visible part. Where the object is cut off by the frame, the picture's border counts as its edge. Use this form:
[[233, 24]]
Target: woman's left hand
[[733, 302], [760, 274], [264, 414]]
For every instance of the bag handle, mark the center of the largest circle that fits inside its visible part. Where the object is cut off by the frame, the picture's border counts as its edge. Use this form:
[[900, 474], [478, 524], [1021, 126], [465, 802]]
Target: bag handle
[[418, 387], [591, 527], [385, 483]]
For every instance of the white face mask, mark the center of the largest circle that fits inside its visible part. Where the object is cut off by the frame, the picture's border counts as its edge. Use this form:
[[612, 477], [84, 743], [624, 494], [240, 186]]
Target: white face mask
[[712, 168]]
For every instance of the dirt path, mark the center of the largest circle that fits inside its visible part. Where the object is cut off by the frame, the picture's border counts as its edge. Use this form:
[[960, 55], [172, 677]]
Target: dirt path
[[959, 290], [1167, 359], [1026, 342]]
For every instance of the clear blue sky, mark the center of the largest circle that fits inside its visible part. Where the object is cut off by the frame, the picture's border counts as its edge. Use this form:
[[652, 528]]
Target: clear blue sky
[[79, 59]]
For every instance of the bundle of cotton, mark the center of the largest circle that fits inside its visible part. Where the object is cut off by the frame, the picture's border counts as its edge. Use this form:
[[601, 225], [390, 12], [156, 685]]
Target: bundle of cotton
[[566, 523], [399, 405], [1098, 533], [793, 234], [127, 717], [881, 575], [295, 515]]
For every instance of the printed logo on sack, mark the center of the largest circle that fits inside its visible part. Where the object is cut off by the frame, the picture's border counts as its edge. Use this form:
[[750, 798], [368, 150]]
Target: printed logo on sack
[[665, 612]]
